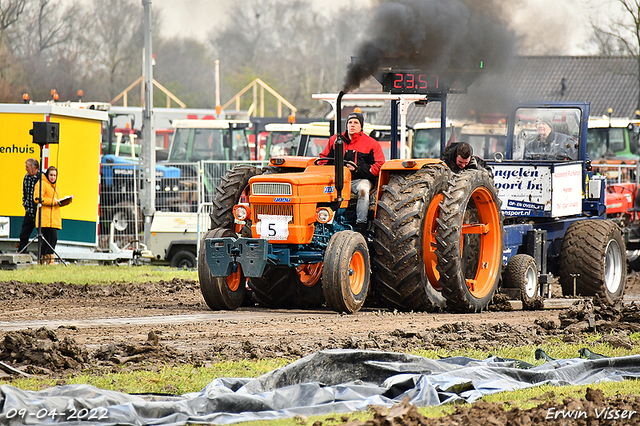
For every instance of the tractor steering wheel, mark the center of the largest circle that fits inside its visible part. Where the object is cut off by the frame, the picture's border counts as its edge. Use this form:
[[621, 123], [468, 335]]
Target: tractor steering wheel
[[331, 160]]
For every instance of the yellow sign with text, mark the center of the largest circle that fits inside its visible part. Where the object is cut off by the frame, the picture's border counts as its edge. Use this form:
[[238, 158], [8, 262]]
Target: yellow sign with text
[[76, 156]]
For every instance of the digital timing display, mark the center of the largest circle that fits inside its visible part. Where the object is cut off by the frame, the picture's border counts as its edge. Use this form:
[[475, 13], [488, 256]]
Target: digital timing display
[[411, 82]]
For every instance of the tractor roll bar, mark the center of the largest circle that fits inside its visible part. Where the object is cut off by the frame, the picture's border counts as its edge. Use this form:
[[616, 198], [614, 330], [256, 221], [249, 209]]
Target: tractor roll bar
[[339, 152], [404, 100]]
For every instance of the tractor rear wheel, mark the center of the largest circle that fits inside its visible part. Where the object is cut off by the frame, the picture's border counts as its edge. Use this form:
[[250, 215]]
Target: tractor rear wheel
[[281, 287], [469, 241], [220, 293], [346, 272], [233, 189], [404, 260], [522, 273], [593, 252]]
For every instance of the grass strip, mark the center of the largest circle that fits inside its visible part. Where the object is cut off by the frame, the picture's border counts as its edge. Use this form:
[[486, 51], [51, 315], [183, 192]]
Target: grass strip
[[82, 274]]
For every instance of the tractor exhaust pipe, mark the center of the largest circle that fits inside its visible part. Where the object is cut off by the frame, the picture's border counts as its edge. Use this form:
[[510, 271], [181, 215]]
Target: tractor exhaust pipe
[[339, 152]]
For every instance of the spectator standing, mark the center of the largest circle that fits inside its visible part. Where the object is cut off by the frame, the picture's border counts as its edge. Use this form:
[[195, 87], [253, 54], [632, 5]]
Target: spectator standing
[[30, 207]]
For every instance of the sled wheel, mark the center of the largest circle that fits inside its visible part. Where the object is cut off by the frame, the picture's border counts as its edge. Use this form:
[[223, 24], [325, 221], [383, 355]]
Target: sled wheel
[[469, 216], [233, 189], [593, 252], [281, 287], [309, 273], [522, 273], [346, 272], [403, 256], [220, 293]]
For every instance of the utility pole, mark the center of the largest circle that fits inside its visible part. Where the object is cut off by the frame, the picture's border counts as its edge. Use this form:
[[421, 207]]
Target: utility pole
[[217, 84], [148, 155]]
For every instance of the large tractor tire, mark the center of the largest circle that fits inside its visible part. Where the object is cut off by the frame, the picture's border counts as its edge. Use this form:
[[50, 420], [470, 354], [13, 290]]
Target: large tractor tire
[[469, 241], [281, 287], [593, 252], [220, 293], [234, 188], [404, 260], [346, 272]]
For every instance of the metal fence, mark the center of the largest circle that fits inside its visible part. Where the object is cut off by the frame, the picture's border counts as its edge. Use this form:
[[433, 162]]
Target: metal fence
[[180, 187], [616, 173]]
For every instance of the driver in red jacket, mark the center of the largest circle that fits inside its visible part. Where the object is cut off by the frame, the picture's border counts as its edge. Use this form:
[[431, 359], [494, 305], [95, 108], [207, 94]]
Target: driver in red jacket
[[364, 151]]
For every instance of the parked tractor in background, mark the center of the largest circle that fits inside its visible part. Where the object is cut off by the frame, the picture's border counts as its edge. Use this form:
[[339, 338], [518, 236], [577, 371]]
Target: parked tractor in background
[[614, 140], [279, 139], [425, 140], [213, 144], [613, 145]]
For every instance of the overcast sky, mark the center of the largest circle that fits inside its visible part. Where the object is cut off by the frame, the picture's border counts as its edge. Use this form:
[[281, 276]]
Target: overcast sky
[[567, 19], [195, 18]]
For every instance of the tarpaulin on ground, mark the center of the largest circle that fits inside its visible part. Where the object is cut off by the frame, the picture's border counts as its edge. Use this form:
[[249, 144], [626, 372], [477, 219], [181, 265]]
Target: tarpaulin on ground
[[325, 382]]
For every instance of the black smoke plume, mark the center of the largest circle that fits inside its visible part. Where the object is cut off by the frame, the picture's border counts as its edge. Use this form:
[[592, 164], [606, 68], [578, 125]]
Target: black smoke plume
[[434, 35]]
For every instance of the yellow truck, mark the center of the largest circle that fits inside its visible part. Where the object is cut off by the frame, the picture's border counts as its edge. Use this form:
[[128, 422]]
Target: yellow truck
[[77, 157]]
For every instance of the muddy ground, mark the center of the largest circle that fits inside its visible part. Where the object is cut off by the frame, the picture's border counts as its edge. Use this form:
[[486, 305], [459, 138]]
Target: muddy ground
[[59, 329]]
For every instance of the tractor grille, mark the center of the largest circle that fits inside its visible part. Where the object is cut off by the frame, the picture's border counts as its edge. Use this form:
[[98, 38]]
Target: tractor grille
[[273, 209], [271, 189]]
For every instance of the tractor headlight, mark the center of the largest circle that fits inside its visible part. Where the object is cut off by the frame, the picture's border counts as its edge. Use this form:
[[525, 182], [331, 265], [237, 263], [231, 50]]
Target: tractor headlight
[[324, 214], [175, 188], [241, 212]]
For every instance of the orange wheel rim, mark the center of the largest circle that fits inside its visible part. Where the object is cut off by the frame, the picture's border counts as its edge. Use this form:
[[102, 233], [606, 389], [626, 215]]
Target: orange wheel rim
[[490, 232], [309, 273], [356, 273], [233, 280], [429, 241]]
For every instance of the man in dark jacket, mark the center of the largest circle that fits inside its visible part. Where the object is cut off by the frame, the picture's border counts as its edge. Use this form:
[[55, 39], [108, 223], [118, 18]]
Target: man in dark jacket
[[549, 144], [459, 156], [364, 151], [30, 207]]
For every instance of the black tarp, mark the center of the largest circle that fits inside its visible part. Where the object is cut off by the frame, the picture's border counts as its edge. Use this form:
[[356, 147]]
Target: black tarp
[[325, 382]]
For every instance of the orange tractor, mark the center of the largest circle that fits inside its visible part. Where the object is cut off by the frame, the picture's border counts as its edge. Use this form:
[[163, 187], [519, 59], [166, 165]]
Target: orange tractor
[[285, 236]]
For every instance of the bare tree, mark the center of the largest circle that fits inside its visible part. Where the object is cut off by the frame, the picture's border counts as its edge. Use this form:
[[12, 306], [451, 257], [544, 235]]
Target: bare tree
[[289, 45], [10, 12], [621, 36], [115, 41], [185, 67]]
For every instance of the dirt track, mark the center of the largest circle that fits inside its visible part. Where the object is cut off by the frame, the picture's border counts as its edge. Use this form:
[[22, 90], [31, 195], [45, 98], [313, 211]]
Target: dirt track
[[56, 329], [175, 315]]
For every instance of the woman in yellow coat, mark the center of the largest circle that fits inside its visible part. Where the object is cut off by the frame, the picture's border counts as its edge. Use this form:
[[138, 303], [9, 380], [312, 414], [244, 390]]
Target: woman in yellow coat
[[50, 210]]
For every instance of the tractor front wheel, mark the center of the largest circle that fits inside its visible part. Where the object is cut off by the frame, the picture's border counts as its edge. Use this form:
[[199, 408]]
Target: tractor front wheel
[[522, 273], [346, 272], [220, 293]]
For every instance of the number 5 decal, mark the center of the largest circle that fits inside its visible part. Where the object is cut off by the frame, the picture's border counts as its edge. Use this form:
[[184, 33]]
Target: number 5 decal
[[273, 227]]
